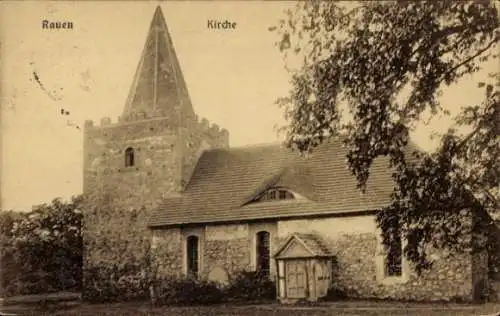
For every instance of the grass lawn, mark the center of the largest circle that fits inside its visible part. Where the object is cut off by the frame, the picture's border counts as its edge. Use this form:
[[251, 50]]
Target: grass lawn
[[338, 308]]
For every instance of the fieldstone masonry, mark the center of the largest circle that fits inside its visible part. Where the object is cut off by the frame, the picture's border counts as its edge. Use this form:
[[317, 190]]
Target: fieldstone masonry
[[358, 257], [167, 252], [358, 273], [229, 255], [359, 267], [230, 248], [226, 248]]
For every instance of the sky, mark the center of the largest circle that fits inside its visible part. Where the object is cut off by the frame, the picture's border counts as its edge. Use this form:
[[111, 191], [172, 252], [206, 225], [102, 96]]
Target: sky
[[233, 77]]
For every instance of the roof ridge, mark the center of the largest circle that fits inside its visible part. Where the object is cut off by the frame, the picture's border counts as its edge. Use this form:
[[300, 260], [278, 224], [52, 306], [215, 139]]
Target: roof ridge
[[281, 144], [275, 143], [251, 146]]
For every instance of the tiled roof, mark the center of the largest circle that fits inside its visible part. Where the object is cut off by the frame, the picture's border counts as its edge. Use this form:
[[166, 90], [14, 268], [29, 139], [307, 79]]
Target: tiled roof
[[314, 244], [225, 179]]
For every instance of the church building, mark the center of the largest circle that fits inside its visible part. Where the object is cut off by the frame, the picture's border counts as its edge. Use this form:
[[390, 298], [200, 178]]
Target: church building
[[211, 211]]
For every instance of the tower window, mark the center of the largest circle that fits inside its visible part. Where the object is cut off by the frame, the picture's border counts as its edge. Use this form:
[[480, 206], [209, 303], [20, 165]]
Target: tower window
[[129, 157], [263, 252], [192, 256]]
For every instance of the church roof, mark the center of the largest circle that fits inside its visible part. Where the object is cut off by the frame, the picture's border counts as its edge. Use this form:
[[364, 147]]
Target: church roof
[[312, 244], [158, 88], [224, 181]]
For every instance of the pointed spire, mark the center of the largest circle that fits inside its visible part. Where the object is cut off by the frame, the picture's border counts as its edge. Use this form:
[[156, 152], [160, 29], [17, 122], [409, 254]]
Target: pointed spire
[[158, 88]]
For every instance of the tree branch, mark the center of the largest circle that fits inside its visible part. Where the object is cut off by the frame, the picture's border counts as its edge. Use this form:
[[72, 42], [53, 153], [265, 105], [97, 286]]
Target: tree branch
[[445, 32], [474, 131], [353, 10], [472, 186], [468, 60]]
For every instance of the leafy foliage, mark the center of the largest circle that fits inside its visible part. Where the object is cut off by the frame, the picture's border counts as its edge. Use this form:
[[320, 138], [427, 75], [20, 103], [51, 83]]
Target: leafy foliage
[[246, 286], [41, 250], [116, 283], [187, 291], [9, 256], [388, 61], [251, 286]]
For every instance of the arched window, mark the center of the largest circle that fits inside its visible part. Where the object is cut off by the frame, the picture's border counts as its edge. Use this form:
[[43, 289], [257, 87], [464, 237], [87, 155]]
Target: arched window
[[129, 157], [192, 255], [263, 253]]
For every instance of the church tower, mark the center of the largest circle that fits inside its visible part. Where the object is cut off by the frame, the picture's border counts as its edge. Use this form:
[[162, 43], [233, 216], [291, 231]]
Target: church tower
[[151, 151], [131, 165]]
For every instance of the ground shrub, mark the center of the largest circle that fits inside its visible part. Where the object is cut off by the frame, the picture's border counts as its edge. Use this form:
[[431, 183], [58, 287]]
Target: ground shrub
[[334, 294], [115, 284], [187, 291], [251, 286]]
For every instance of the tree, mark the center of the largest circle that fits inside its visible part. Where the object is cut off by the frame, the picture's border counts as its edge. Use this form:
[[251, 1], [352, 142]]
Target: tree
[[42, 249], [389, 61], [8, 258]]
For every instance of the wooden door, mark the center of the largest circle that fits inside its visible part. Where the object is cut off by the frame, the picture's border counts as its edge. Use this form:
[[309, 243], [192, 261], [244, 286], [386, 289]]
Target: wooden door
[[296, 279]]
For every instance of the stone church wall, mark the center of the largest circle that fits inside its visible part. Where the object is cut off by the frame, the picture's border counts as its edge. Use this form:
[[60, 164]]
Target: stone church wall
[[228, 256], [360, 263], [359, 269], [224, 250], [167, 252]]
